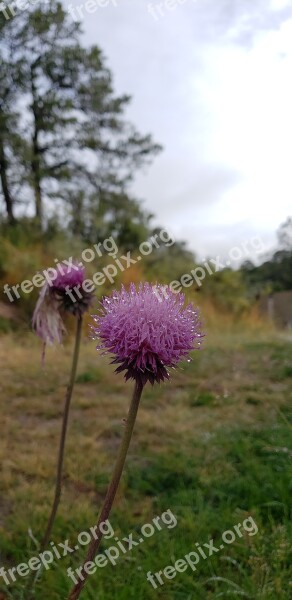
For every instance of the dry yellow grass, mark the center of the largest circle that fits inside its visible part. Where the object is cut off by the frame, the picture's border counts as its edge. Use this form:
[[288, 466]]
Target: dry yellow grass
[[235, 383]]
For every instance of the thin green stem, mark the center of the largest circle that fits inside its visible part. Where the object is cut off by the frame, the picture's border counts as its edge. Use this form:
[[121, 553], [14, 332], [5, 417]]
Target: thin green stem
[[112, 489], [58, 488], [60, 462]]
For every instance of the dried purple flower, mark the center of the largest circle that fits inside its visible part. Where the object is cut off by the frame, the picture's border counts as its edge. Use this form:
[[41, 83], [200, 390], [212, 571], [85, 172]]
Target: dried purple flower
[[147, 329], [66, 293], [46, 320]]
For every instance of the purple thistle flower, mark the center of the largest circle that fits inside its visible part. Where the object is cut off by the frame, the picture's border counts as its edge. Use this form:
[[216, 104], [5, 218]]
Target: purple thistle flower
[[69, 275], [68, 289], [65, 293], [147, 329]]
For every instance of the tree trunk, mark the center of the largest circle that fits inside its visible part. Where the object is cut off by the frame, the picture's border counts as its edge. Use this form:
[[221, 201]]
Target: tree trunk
[[35, 167], [4, 184], [36, 162]]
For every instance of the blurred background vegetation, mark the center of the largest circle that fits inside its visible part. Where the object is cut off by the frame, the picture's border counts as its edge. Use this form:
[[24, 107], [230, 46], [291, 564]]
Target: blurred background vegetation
[[213, 445], [67, 158]]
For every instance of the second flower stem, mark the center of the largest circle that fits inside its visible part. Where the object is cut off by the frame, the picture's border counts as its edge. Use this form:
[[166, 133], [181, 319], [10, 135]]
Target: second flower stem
[[113, 486], [58, 488]]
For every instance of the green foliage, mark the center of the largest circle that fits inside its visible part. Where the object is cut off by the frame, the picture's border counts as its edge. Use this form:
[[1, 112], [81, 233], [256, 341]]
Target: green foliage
[[76, 148], [227, 290], [275, 274], [5, 325], [90, 376], [203, 398], [170, 261]]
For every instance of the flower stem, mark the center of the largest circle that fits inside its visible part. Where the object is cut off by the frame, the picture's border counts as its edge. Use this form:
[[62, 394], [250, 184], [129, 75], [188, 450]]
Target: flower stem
[[58, 488], [113, 486]]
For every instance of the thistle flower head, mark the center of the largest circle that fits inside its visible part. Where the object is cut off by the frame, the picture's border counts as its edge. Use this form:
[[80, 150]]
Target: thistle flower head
[[64, 293], [69, 276], [147, 330], [68, 290]]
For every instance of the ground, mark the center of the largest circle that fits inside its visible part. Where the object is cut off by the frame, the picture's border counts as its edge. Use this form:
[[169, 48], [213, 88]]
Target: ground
[[212, 447]]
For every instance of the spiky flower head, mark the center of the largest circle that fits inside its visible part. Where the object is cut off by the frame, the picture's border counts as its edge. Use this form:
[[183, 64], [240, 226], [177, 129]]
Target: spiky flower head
[[70, 275], [147, 330], [64, 292], [68, 290]]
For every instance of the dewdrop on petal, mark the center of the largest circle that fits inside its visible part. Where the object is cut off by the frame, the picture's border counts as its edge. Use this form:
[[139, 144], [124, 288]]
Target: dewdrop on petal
[[147, 332]]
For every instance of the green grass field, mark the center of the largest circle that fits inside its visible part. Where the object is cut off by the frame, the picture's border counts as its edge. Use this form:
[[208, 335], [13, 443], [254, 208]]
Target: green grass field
[[213, 446]]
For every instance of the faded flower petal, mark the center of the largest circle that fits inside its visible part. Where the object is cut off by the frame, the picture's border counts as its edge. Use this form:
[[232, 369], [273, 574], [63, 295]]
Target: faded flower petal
[[46, 320]]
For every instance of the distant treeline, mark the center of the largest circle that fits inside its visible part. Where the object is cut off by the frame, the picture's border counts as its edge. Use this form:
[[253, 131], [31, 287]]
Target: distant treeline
[[274, 274]]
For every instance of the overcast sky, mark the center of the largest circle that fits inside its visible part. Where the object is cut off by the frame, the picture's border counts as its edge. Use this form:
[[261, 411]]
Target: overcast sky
[[212, 81]]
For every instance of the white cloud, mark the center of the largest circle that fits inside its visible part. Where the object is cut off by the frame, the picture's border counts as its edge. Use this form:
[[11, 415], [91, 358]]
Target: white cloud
[[280, 4], [249, 95], [212, 82]]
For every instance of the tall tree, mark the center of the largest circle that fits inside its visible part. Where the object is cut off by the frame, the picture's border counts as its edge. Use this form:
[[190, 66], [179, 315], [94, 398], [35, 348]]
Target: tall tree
[[45, 41], [10, 85], [284, 234], [76, 143]]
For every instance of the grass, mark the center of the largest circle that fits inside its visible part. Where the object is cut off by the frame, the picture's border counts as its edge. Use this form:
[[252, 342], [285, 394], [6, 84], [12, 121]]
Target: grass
[[212, 446]]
